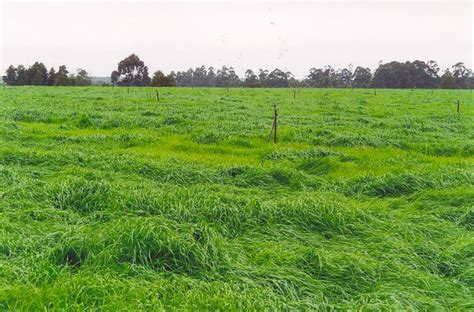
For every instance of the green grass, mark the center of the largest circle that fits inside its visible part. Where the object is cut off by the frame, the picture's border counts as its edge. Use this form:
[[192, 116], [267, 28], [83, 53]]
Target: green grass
[[112, 201]]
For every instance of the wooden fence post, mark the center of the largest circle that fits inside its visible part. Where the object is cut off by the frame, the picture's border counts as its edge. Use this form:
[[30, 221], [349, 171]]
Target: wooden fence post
[[275, 124]]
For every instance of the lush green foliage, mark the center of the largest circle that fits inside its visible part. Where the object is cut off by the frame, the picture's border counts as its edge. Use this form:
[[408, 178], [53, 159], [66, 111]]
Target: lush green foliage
[[110, 200], [132, 71], [38, 75]]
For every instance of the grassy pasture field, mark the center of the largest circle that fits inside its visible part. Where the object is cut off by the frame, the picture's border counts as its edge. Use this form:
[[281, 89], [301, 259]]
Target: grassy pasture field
[[112, 201]]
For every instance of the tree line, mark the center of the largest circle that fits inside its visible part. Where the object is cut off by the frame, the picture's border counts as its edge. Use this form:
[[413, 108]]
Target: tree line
[[417, 74], [38, 75], [132, 71]]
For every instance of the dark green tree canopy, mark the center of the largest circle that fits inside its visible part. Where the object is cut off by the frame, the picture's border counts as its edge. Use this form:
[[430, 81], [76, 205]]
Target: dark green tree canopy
[[114, 77], [51, 77], [37, 74], [321, 77], [132, 72], [162, 80], [62, 77], [278, 79], [461, 75], [251, 80], [11, 76], [361, 77], [22, 76], [447, 81], [417, 74], [83, 78]]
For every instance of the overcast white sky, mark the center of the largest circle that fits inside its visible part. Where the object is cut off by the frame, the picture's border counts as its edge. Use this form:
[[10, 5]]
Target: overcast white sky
[[295, 36]]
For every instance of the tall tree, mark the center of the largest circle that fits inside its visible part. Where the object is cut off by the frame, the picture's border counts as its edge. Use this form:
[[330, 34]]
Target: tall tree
[[158, 79], [423, 74], [251, 80], [185, 78], [321, 77], [133, 72], [393, 75], [171, 79], [161, 80], [461, 75], [222, 77], [211, 77], [51, 77], [37, 74], [262, 77], [361, 77], [83, 78], [114, 77], [22, 76], [447, 80], [278, 79], [190, 77], [344, 78], [432, 69], [62, 77], [234, 80], [11, 76], [417, 74], [200, 77]]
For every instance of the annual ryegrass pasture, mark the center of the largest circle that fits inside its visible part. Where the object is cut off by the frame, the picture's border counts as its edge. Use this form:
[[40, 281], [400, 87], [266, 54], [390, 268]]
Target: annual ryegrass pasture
[[111, 200]]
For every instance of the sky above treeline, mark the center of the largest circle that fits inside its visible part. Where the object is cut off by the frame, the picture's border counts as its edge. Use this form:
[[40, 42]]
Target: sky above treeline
[[293, 36]]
